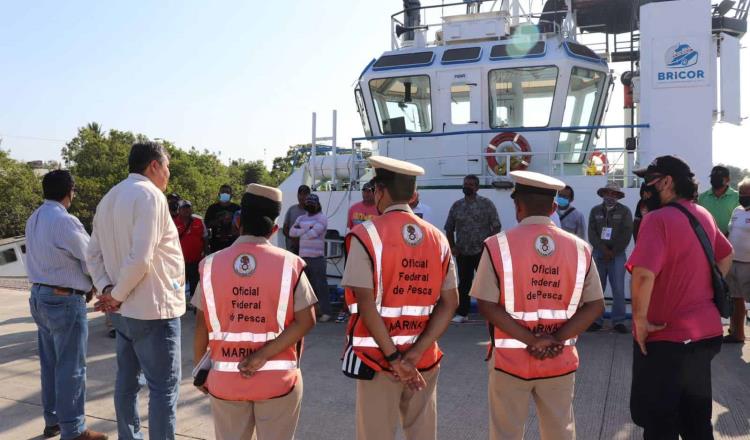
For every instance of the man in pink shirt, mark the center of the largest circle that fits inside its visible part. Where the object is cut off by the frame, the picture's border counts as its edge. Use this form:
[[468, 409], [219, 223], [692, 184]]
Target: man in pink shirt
[[364, 210], [677, 327]]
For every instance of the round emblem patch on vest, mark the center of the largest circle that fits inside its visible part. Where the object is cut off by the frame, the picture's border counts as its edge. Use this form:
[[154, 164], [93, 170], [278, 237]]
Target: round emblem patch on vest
[[244, 265], [412, 234], [544, 245]]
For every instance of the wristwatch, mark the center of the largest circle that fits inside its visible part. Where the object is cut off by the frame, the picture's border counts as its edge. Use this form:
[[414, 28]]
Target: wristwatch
[[396, 355]]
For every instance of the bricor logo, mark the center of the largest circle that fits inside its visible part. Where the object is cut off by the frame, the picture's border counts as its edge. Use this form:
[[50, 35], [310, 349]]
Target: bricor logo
[[244, 265], [681, 56], [681, 60], [544, 245], [412, 234]]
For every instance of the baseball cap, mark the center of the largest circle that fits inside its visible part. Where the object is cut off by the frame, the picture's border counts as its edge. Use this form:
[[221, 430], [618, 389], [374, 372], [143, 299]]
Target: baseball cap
[[720, 171], [667, 166], [185, 204], [312, 198]]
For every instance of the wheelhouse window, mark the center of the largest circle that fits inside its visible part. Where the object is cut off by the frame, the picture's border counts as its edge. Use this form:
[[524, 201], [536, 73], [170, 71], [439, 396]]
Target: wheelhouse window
[[402, 104], [581, 105], [522, 97], [360, 100], [7, 256]]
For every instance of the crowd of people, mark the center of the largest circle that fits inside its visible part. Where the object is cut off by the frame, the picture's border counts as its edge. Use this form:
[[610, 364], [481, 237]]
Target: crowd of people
[[538, 285]]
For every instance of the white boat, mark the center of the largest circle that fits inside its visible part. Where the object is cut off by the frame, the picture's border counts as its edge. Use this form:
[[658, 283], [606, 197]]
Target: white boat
[[13, 257], [481, 87]]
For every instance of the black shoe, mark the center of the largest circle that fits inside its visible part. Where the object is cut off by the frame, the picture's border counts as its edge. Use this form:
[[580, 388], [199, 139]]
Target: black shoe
[[620, 328], [51, 431], [594, 327], [112, 333]]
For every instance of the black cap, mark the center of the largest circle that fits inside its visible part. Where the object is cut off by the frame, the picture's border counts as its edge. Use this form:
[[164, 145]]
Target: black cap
[[720, 171], [666, 165], [173, 196]]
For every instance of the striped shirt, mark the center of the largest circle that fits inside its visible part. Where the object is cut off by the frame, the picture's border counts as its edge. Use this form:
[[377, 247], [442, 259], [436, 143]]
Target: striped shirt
[[56, 244], [311, 230]]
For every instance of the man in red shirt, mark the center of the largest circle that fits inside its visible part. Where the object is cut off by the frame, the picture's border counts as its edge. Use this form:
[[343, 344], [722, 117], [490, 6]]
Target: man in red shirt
[[193, 239], [677, 327], [364, 210]]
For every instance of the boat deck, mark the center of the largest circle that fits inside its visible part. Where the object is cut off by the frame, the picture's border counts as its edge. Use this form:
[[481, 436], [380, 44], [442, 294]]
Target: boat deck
[[601, 402]]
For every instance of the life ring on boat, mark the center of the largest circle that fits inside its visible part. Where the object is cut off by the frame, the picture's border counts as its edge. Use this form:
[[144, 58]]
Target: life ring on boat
[[594, 169], [508, 142]]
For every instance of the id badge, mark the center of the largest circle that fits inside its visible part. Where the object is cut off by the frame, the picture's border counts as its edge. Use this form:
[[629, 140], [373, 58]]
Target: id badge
[[606, 233]]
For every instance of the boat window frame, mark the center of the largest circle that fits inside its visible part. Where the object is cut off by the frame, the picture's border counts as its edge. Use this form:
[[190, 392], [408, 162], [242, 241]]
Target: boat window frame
[[359, 100], [491, 89], [375, 105], [595, 111]]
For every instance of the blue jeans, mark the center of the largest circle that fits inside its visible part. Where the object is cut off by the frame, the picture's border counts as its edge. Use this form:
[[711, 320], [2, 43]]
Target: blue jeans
[[151, 347], [613, 270], [62, 334]]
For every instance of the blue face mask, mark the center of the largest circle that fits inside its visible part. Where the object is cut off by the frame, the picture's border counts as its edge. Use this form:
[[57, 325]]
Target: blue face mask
[[224, 197], [562, 202]]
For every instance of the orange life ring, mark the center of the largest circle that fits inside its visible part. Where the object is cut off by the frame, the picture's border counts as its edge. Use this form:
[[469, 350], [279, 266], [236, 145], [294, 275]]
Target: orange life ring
[[592, 168], [508, 142]]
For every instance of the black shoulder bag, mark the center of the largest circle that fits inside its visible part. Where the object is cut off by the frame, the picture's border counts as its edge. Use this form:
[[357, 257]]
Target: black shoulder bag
[[570, 211], [721, 289]]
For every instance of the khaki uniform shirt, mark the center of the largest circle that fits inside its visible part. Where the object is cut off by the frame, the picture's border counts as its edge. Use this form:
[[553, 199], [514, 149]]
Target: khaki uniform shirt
[[358, 271], [304, 295], [486, 285]]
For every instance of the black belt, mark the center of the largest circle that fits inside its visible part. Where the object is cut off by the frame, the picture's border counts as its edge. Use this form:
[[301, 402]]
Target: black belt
[[68, 289]]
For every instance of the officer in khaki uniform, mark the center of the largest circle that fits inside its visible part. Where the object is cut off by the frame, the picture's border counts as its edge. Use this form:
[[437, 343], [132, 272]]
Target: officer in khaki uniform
[[260, 394], [538, 290], [401, 291]]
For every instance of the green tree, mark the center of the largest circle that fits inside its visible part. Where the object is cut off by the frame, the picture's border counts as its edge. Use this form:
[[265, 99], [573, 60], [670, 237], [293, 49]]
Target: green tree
[[98, 161], [21, 193], [736, 174]]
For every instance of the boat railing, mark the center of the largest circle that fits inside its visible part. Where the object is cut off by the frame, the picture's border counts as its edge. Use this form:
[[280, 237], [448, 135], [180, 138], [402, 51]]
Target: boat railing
[[514, 12], [616, 163]]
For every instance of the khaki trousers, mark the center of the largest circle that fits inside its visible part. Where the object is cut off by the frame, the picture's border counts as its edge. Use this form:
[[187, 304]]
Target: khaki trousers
[[383, 401], [509, 406], [273, 419]]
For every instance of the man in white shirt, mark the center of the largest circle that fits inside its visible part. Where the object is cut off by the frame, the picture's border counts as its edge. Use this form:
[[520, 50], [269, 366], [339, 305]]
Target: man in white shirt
[[738, 277], [135, 260]]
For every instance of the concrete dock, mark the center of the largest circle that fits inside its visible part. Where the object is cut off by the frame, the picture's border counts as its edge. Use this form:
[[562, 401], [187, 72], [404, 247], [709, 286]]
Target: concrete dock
[[601, 402]]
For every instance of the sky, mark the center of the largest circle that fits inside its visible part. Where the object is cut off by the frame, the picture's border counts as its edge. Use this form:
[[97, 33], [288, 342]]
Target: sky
[[237, 77]]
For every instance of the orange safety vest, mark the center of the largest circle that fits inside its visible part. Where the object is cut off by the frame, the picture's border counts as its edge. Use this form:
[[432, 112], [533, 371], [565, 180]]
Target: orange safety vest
[[540, 270], [410, 259], [248, 297]]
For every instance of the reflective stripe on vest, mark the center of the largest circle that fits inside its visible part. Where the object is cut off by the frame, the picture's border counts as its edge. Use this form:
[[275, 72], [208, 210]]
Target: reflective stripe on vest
[[397, 312], [371, 343], [515, 343], [377, 246], [217, 335], [233, 367]]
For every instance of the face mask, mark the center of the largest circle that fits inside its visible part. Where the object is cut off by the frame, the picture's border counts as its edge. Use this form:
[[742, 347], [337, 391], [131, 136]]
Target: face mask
[[562, 202], [717, 182], [745, 201], [610, 202], [468, 191], [224, 197], [652, 202]]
